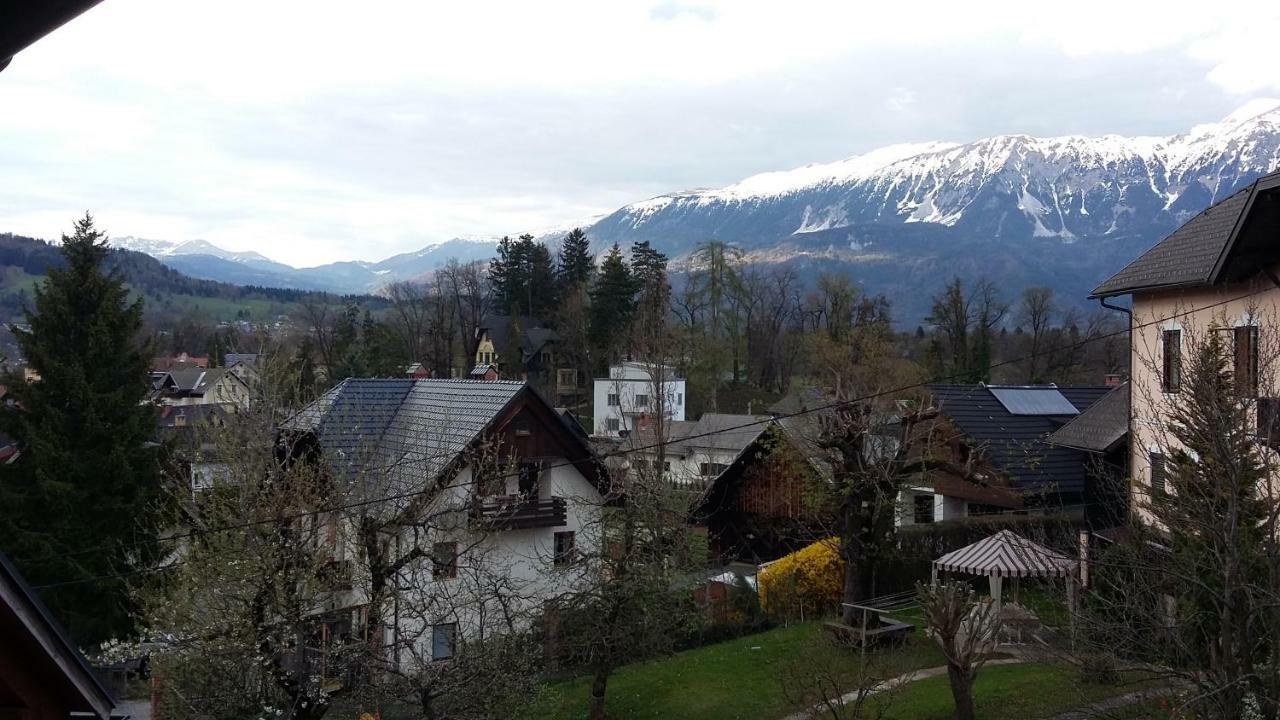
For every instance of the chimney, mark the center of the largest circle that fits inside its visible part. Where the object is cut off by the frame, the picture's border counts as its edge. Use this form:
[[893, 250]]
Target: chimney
[[1112, 379]]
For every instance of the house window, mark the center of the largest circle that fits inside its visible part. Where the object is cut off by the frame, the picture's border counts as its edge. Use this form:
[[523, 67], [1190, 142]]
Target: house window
[[566, 552], [1171, 346], [642, 401], [679, 398], [613, 424], [1159, 473], [923, 508], [711, 469], [444, 638], [613, 400], [1246, 360], [529, 478], [566, 378], [444, 560], [545, 359]]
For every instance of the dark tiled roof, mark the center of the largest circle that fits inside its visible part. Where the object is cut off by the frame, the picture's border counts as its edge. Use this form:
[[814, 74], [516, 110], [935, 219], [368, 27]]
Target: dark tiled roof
[[1017, 443], [1100, 427], [1229, 240], [1186, 257]]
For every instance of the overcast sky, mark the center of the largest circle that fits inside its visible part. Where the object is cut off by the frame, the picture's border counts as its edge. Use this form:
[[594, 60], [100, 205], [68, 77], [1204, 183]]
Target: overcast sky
[[315, 131]]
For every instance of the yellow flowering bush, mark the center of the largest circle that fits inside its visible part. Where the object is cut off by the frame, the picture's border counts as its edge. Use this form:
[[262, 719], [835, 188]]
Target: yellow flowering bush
[[808, 581]]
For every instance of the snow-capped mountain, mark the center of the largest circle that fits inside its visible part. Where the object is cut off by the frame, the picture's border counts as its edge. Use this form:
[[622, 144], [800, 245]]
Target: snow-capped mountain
[[1062, 211], [1006, 187], [164, 248], [203, 259]]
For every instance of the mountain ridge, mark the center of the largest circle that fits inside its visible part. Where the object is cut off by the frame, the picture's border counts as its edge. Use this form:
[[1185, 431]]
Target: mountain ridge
[[1060, 211]]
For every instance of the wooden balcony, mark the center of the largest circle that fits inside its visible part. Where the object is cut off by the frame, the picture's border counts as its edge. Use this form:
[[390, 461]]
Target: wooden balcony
[[512, 512]]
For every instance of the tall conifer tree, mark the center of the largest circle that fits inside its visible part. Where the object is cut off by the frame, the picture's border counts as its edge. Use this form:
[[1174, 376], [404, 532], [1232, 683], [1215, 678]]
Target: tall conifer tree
[[78, 507], [613, 303], [576, 263]]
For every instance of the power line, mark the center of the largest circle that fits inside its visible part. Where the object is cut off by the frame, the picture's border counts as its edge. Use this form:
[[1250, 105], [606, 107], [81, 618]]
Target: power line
[[635, 449]]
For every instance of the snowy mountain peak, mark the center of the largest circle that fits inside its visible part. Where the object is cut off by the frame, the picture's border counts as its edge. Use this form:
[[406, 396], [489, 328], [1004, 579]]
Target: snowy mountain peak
[[1015, 185]]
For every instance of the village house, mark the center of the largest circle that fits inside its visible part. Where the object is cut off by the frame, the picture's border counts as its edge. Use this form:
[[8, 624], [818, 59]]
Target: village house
[[751, 479], [484, 479], [626, 400], [43, 676], [1217, 273], [190, 433], [1001, 435], [501, 339], [694, 453], [197, 386]]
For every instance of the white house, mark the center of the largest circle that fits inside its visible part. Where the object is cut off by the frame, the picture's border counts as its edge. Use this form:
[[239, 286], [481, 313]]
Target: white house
[[626, 400], [488, 493], [695, 453]]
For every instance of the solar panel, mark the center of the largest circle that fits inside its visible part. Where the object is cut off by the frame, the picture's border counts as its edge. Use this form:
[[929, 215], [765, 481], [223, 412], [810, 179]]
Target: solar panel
[[1033, 400]]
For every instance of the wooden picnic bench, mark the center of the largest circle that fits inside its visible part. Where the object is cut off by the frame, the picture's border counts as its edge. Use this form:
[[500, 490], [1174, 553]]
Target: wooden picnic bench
[[888, 631]]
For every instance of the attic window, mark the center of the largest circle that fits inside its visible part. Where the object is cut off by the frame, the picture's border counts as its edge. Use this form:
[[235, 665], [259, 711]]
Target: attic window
[[1033, 400]]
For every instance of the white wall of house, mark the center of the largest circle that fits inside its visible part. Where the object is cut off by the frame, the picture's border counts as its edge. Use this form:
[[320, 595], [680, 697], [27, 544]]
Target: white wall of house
[[517, 565], [693, 469], [944, 507], [623, 398]]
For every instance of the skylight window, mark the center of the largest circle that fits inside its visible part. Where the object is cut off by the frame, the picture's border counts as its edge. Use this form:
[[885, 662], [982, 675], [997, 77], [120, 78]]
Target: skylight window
[[1033, 400]]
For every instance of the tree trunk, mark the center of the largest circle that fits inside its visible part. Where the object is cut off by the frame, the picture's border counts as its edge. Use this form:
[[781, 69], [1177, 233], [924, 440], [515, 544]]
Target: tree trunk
[[599, 684], [961, 690]]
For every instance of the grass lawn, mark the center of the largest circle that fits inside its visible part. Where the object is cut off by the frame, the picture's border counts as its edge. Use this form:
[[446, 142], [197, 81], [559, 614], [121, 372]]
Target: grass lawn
[[1003, 692], [738, 679]]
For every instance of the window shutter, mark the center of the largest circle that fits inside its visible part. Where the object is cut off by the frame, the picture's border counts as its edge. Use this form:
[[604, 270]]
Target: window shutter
[[1172, 352], [1159, 473], [1246, 360]]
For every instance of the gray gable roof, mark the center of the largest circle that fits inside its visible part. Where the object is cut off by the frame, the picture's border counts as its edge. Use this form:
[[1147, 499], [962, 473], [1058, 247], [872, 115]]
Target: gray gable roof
[[1100, 427], [399, 430], [1195, 253]]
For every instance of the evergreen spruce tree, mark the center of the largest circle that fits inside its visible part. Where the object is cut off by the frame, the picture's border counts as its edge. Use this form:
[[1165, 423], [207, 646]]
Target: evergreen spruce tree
[[613, 302], [78, 509], [507, 273], [576, 263]]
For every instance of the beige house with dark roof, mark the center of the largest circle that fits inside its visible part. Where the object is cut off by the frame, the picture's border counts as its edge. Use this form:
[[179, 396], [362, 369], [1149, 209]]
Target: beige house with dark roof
[[1218, 273]]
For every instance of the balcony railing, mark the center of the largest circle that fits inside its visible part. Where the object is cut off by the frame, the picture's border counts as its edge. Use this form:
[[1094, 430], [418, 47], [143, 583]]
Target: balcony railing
[[513, 512]]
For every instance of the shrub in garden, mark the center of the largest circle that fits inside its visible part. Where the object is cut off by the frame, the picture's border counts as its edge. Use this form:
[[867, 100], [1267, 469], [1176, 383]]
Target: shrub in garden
[[807, 582]]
